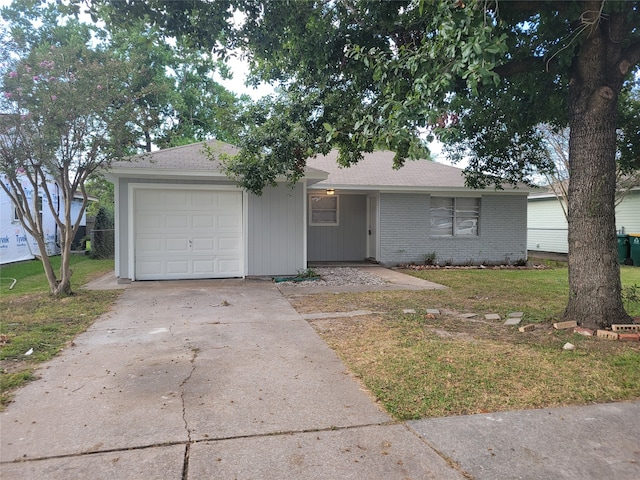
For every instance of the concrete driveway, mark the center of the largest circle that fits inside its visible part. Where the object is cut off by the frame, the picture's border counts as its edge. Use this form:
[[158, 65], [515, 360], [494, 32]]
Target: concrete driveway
[[223, 379], [201, 380]]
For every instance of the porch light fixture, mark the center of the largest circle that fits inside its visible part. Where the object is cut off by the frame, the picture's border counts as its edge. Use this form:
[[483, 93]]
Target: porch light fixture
[[331, 191]]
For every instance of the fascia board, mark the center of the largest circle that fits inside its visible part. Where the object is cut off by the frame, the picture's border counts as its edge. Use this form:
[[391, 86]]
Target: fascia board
[[416, 189], [167, 174]]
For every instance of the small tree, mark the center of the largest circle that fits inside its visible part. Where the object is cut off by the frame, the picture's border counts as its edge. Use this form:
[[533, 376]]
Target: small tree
[[66, 113]]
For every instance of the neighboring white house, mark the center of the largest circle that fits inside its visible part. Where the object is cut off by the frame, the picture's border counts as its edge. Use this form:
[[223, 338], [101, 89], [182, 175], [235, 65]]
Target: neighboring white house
[[15, 243], [547, 225], [178, 216]]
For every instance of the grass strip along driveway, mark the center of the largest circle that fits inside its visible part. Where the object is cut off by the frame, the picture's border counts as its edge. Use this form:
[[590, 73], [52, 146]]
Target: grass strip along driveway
[[421, 365], [36, 323]]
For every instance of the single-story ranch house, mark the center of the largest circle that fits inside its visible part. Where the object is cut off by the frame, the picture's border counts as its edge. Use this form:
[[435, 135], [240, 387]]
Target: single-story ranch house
[[179, 217]]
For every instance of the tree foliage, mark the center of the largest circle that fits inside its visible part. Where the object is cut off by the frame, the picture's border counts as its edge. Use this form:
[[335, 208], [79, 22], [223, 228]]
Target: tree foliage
[[178, 101], [66, 113]]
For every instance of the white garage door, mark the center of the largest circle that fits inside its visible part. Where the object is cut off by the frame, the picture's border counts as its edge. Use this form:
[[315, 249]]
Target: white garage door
[[181, 234]]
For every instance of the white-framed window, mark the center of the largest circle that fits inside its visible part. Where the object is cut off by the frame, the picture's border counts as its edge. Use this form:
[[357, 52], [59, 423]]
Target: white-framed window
[[455, 216], [323, 210]]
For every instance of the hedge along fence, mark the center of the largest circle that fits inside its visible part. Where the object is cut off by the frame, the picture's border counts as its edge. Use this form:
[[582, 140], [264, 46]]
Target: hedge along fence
[[103, 235]]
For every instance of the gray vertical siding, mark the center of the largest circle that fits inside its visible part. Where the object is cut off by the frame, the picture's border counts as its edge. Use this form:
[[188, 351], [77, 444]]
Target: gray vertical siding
[[345, 242], [122, 229], [405, 237], [276, 232]]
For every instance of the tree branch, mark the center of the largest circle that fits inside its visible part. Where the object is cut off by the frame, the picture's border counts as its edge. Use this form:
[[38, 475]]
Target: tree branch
[[517, 67], [631, 55]]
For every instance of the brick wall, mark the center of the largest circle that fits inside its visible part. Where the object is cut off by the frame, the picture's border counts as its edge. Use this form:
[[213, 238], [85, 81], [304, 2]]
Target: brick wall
[[405, 231]]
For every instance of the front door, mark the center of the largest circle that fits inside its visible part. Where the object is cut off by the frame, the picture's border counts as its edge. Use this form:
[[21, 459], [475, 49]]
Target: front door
[[372, 227]]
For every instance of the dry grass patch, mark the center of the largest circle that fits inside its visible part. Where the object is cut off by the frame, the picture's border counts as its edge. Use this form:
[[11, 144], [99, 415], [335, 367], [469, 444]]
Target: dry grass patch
[[423, 367], [415, 370]]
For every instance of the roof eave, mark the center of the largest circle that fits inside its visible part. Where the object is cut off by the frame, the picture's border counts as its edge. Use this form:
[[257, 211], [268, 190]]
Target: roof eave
[[166, 174], [413, 188]]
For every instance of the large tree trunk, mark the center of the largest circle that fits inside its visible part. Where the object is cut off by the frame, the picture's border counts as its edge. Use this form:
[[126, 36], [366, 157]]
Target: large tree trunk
[[594, 273]]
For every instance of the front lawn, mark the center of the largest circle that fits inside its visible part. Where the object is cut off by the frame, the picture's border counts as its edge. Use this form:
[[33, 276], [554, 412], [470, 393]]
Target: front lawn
[[423, 366], [33, 321]]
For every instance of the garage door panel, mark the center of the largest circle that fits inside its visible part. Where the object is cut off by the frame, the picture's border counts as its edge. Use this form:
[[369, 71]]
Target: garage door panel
[[176, 221], [177, 245], [228, 266], [188, 234], [203, 221], [229, 200], [176, 199], [204, 245], [204, 200], [177, 267], [229, 222], [149, 268], [149, 245], [147, 221], [229, 244], [203, 266], [149, 199]]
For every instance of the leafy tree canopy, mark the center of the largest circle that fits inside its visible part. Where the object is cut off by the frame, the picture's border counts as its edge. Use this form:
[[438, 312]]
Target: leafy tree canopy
[[67, 111], [480, 76], [179, 102]]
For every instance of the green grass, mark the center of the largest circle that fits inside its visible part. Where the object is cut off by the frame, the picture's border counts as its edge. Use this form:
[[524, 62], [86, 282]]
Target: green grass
[[419, 366], [31, 278], [33, 319], [542, 294]]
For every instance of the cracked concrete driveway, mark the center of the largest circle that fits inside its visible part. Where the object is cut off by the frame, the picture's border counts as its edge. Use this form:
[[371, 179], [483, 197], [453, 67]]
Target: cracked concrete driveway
[[200, 380]]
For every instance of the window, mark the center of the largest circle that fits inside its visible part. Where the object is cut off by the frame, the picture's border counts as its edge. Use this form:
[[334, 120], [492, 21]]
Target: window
[[39, 207], [455, 216], [16, 217], [323, 210]]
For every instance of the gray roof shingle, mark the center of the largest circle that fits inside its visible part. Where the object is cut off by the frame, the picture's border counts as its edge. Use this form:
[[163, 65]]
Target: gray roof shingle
[[186, 157], [376, 170]]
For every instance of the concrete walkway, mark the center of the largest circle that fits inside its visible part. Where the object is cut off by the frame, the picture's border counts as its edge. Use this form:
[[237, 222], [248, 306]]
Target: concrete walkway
[[223, 379]]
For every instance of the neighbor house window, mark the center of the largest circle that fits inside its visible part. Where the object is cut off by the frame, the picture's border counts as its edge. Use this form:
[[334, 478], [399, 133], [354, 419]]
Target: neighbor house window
[[323, 210], [455, 216], [16, 216]]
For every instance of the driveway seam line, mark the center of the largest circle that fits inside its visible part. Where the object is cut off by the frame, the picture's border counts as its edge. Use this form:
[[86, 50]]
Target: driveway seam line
[[203, 440], [449, 461]]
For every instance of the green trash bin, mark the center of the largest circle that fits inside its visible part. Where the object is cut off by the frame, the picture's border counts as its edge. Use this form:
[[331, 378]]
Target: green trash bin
[[623, 247], [634, 248]]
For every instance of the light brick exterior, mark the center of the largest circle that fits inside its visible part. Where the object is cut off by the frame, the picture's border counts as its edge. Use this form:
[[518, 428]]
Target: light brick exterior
[[405, 231]]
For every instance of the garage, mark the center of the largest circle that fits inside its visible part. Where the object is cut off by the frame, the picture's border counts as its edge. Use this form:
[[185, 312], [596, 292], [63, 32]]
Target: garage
[[187, 233]]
